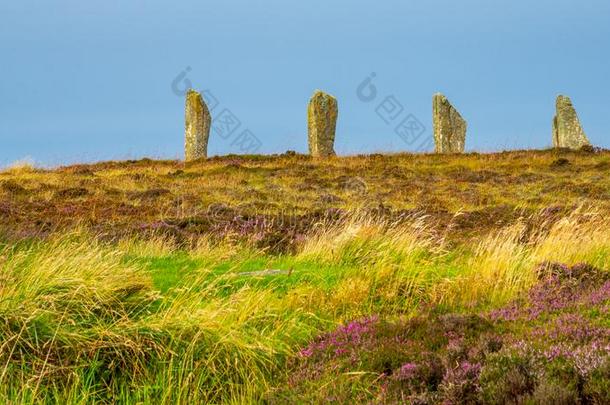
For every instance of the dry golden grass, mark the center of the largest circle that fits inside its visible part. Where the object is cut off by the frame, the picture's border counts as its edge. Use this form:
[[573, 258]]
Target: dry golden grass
[[289, 194], [505, 263]]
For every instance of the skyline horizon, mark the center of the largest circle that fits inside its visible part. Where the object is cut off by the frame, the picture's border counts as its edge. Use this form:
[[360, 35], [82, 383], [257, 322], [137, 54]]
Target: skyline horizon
[[95, 82]]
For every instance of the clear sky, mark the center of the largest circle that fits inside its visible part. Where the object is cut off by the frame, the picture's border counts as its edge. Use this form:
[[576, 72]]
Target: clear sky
[[96, 80]]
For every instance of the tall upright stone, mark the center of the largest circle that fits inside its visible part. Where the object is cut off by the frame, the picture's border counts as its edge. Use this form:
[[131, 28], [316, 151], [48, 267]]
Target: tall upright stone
[[197, 127], [449, 126], [567, 132], [322, 122]]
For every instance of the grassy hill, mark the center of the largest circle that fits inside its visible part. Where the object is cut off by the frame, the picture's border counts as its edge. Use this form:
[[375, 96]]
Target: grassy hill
[[282, 197], [282, 279]]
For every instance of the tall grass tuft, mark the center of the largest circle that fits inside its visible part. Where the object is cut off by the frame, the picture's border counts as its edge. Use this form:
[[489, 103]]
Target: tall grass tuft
[[22, 166], [505, 262], [389, 262], [77, 318]]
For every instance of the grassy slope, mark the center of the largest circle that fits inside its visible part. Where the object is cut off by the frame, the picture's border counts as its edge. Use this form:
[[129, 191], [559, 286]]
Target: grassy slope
[[279, 198], [156, 310]]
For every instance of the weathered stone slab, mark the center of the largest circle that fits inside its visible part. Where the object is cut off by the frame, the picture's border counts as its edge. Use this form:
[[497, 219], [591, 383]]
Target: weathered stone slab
[[264, 273], [322, 122], [567, 132], [197, 127], [449, 126]]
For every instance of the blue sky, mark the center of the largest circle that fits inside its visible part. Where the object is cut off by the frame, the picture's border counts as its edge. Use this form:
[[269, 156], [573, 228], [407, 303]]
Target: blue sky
[[87, 81]]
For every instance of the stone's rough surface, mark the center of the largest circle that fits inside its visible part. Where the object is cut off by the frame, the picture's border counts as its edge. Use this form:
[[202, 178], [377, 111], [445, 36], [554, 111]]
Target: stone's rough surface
[[449, 126], [567, 132], [322, 122], [197, 127]]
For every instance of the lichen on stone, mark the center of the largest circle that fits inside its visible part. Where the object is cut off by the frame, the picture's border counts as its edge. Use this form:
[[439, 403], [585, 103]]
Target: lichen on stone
[[322, 122], [449, 126], [197, 127], [567, 131]]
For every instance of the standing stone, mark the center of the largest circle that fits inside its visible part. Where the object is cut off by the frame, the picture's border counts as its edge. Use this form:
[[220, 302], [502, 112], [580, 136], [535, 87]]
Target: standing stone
[[322, 122], [567, 132], [449, 126], [197, 131]]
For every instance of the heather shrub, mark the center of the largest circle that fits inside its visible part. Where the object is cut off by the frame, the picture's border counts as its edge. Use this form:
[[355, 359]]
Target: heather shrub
[[460, 383], [562, 372], [416, 360], [507, 378], [596, 388], [420, 376], [551, 392]]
